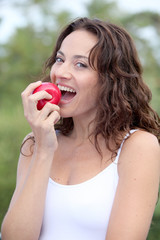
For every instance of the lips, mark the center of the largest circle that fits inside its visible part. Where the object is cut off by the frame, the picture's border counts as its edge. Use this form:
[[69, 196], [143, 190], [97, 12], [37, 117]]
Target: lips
[[67, 93]]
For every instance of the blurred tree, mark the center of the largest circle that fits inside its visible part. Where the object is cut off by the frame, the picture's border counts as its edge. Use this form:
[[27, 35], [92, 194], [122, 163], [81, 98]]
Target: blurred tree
[[23, 59], [144, 27], [103, 9]]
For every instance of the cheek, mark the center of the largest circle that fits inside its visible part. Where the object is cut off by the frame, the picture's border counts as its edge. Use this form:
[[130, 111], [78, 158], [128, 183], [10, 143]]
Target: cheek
[[52, 75], [91, 87], [94, 95], [91, 95]]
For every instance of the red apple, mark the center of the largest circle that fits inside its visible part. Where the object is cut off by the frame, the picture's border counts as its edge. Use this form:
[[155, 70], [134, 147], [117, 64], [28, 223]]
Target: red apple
[[53, 90]]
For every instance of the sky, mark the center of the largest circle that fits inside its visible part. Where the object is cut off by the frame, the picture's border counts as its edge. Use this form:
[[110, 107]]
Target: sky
[[12, 19]]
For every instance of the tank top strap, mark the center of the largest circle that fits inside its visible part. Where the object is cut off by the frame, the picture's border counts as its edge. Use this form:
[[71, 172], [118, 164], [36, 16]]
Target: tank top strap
[[119, 150], [57, 132]]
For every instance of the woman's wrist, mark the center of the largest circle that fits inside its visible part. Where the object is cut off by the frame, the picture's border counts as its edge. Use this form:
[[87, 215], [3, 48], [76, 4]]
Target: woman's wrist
[[46, 153]]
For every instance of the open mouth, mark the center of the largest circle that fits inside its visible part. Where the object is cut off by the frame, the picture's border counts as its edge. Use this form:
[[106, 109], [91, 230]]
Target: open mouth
[[67, 93]]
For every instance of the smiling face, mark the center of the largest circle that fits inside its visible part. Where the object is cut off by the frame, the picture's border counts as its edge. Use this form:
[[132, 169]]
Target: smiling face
[[74, 76]]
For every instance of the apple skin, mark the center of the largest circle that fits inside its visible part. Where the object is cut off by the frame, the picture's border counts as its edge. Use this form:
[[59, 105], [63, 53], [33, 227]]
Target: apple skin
[[53, 90]]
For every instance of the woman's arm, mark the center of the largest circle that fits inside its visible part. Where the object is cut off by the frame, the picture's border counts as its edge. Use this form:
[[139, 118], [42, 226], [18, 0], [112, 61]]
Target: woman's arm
[[137, 191], [24, 217]]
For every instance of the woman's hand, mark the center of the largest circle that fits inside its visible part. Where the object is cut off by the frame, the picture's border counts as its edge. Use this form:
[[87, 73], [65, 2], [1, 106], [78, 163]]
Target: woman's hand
[[42, 122]]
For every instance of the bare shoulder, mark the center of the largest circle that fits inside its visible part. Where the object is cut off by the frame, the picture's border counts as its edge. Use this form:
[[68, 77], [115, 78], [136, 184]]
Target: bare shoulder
[[140, 150], [143, 138]]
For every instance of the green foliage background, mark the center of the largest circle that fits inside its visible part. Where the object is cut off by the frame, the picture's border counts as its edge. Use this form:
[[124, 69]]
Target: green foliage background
[[21, 62]]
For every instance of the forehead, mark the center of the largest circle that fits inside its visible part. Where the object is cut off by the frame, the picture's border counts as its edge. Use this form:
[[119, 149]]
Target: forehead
[[79, 42]]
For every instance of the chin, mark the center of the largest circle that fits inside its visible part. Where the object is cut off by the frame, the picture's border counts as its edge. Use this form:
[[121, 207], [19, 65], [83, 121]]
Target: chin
[[65, 114]]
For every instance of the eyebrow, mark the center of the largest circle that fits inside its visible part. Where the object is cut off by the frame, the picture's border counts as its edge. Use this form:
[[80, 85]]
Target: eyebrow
[[75, 56]]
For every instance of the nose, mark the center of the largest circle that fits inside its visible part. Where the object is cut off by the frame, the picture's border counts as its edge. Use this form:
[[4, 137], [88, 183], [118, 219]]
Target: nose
[[63, 72]]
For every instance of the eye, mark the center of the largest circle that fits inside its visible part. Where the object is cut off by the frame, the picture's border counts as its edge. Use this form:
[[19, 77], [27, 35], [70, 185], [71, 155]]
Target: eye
[[59, 59], [81, 65]]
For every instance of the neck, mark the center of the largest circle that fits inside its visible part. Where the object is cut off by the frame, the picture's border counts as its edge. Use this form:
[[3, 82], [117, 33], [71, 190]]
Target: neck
[[82, 128]]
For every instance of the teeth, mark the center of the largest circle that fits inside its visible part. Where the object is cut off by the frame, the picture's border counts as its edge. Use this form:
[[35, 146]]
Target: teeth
[[63, 88]]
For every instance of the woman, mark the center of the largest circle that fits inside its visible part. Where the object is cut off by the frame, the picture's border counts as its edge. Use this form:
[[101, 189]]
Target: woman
[[97, 176]]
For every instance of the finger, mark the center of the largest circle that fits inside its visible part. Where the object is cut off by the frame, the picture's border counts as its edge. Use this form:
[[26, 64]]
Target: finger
[[28, 91], [40, 95], [30, 88], [47, 110], [33, 99], [53, 118]]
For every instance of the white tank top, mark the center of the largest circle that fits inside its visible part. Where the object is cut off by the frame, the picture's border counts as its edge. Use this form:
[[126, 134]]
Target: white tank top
[[80, 211]]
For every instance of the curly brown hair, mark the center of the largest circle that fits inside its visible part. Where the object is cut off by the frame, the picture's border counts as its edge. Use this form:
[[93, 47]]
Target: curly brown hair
[[124, 99]]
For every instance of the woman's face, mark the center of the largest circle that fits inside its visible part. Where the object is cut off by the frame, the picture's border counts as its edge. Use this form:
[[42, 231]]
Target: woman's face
[[73, 75]]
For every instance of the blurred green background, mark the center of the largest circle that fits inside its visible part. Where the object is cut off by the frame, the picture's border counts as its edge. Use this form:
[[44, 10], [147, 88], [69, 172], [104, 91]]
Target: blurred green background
[[21, 61]]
